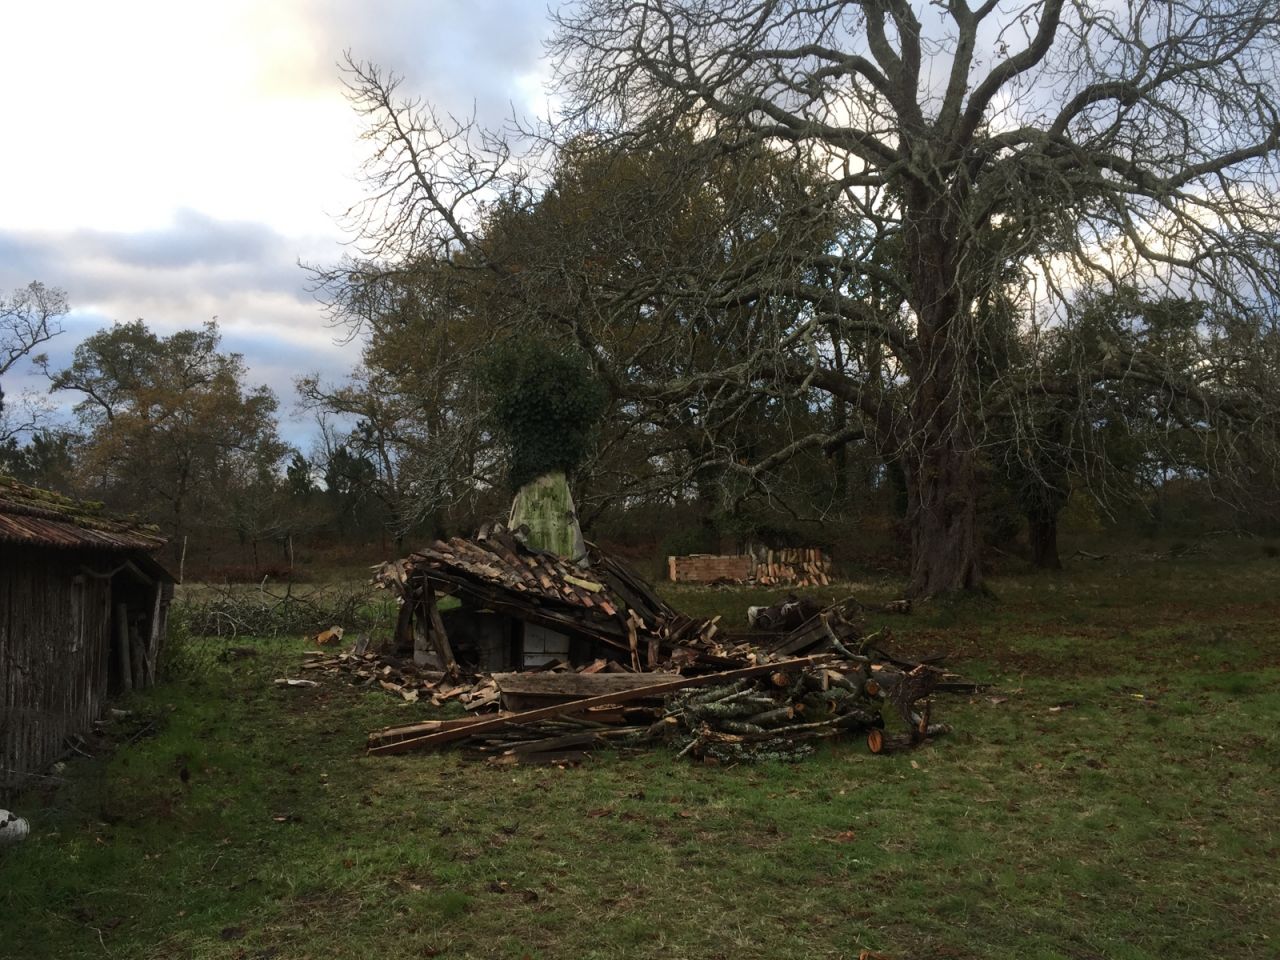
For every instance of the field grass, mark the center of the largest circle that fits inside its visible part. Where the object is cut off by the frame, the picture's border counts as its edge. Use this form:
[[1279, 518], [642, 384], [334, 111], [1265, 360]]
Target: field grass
[[1115, 795]]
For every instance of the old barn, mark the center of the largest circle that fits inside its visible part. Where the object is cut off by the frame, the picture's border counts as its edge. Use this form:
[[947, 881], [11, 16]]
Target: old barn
[[83, 604]]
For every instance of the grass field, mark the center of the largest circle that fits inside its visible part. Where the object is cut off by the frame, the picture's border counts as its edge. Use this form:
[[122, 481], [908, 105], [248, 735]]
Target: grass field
[[1115, 795]]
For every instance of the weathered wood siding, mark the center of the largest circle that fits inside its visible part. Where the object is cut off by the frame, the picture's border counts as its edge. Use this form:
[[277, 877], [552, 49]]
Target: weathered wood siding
[[55, 642]]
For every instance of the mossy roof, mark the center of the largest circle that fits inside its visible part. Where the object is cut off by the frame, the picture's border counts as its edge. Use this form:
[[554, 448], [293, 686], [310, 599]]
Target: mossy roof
[[30, 515]]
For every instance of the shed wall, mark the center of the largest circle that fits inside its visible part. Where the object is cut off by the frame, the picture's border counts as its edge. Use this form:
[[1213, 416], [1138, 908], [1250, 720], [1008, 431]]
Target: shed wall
[[55, 641]]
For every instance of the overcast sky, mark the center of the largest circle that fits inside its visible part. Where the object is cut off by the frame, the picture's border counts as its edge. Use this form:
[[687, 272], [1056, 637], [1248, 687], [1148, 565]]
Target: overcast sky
[[174, 160]]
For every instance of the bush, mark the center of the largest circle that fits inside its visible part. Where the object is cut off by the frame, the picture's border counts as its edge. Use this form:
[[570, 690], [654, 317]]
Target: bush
[[260, 612]]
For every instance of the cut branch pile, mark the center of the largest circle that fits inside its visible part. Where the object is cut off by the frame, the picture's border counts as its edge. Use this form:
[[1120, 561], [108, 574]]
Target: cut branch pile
[[777, 718], [265, 612]]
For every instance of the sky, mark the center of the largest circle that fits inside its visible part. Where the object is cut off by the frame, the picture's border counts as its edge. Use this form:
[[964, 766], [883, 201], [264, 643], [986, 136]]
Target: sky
[[174, 161]]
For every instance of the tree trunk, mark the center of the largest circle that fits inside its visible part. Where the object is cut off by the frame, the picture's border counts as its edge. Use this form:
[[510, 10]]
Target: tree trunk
[[942, 496], [1042, 530], [840, 411], [545, 507], [941, 467]]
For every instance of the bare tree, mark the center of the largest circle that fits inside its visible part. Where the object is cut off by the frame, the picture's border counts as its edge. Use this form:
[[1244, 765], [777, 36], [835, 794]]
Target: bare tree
[[1000, 151], [970, 157], [29, 317]]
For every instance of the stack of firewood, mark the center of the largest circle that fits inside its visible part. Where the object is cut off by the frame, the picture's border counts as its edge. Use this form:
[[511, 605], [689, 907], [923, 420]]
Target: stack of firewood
[[794, 566]]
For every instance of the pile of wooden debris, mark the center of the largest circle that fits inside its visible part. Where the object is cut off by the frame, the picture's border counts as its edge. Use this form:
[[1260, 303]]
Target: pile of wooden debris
[[821, 680], [404, 678]]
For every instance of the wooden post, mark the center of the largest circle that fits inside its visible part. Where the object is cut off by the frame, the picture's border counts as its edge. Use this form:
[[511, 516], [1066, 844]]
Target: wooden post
[[404, 627], [423, 653], [438, 636], [122, 647], [138, 657], [153, 641], [633, 642]]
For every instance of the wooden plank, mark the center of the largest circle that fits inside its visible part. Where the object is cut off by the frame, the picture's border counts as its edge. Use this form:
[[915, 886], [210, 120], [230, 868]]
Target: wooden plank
[[577, 685], [580, 706], [392, 734], [157, 634], [528, 691]]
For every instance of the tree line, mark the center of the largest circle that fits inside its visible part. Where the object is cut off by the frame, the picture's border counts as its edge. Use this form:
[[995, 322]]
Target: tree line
[[169, 429]]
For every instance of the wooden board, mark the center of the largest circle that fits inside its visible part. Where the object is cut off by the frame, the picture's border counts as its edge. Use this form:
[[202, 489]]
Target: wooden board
[[525, 691], [484, 725]]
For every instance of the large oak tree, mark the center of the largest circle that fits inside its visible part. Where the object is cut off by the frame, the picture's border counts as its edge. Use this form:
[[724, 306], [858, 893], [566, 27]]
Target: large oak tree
[[972, 159]]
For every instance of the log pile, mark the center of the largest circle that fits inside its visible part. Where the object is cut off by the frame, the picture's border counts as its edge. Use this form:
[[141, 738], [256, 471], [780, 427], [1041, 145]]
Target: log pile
[[792, 566]]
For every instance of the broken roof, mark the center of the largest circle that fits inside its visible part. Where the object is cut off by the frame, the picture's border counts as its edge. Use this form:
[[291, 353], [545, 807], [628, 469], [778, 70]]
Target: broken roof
[[29, 515], [605, 600]]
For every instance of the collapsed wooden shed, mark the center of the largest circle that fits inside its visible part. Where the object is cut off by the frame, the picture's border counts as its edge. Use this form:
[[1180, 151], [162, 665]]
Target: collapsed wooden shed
[[83, 606], [522, 607]]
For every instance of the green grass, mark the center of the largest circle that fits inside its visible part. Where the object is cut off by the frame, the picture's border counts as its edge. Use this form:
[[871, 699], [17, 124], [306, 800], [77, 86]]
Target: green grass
[[1117, 795]]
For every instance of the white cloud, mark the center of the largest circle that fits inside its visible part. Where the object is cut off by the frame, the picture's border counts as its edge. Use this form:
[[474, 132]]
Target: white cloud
[[173, 161], [126, 111]]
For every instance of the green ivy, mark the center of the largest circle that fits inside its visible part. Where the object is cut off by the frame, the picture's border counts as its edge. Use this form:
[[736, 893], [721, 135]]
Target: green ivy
[[546, 403]]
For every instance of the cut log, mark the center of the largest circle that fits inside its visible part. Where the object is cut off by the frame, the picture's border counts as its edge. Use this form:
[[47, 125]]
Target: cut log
[[880, 742]]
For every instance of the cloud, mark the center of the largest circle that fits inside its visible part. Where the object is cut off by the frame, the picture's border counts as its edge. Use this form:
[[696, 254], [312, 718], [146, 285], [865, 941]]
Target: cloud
[[455, 53], [121, 113], [244, 274], [174, 162]]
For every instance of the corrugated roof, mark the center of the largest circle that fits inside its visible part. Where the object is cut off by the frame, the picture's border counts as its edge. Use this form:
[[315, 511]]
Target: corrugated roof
[[38, 517]]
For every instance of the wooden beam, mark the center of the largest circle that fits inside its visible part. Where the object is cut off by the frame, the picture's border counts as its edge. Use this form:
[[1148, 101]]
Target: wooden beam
[[123, 656], [484, 725], [438, 636], [577, 685], [154, 641]]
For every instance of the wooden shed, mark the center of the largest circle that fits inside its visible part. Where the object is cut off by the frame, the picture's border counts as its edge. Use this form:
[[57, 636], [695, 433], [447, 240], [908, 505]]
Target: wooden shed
[[83, 605]]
